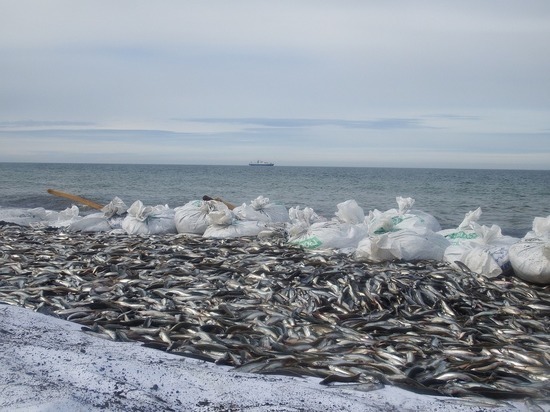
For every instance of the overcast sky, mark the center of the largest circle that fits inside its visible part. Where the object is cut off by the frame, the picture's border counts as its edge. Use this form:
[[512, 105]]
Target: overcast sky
[[330, 83]]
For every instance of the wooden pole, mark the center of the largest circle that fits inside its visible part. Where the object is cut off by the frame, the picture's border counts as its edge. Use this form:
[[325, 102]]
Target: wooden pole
[[76, 199]]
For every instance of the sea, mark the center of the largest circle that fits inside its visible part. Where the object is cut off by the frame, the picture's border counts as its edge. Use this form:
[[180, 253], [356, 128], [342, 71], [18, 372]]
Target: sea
[[510, 199]]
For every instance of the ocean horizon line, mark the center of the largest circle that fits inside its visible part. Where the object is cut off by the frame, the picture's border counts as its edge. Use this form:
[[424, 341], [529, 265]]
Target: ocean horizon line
[[276, 165]]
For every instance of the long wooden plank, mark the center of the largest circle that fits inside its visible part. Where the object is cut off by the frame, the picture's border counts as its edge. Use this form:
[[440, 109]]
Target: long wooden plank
[[76, 199]]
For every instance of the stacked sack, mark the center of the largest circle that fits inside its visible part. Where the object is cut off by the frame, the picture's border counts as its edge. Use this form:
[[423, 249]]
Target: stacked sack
[[110, 218], [401, 234], [149, 220], [223, 224], [465, 231], [311, 231], [530, 257], [262, 210], [212, 218], [482, 249], [192, 218], [404, 217], [40, 218]]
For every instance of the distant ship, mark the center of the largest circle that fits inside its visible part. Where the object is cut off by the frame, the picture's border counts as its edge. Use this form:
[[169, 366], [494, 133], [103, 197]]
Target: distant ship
[[261, 163]]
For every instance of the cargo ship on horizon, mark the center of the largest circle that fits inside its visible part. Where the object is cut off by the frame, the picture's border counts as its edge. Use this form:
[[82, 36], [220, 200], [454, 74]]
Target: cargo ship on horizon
[[261, 163]]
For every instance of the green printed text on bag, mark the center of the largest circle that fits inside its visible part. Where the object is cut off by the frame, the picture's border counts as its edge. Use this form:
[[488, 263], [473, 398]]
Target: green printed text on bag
[[462, 235], [309, 243]]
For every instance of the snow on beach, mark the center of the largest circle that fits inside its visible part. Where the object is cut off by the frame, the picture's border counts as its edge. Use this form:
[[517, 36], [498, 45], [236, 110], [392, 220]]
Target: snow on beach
[[49, 364]]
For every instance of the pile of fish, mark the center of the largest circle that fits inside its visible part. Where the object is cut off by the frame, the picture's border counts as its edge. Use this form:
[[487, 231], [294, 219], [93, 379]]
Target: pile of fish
[[264, 306]]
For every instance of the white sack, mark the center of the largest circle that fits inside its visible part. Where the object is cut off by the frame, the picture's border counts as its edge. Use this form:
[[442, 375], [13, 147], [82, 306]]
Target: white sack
[[303, 217], [22, 217], [329, 235], [465, 231], [402, 218], [262, 210], [193, 216], [486, 255], [379, 222], [530, 257], [530, 260], [116, 222], [224, 225], [350, 212], [541, 229], [68, 214], [239, 228], [59, 219], [371, 249], [96, 222], [300, 220], [311, 231], [115, 207], [149, 220], [110, 219], [39, 217], [407, 245], [221, 217]]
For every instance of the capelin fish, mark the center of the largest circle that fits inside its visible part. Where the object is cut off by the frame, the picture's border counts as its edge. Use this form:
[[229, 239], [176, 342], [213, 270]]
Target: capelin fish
[[335, 378], [254, 302]]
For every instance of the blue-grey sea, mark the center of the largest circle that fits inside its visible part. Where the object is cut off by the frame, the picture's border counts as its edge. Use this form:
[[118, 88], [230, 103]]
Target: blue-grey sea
[[508, 198]]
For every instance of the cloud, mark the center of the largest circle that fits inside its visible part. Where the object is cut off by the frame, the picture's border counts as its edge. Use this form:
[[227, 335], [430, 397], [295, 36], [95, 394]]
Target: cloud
[[313, 145], [396, 123], [41, 124], [306, 81]]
